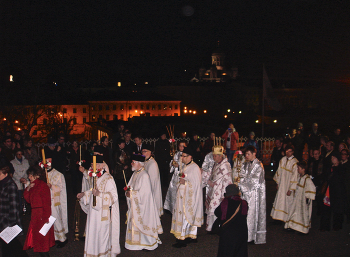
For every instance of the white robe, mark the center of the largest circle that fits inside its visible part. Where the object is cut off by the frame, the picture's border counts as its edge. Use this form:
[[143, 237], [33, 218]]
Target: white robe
[[286, 179], [253, 189], [102, 223], [221, 177], [59, 204], [299, 218], [152, 169], [207, 168], [188, 211], [143, 222], [170, 198]]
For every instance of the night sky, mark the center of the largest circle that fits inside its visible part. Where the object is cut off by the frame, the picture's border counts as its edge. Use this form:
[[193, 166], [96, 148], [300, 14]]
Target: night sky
[[97, 43]]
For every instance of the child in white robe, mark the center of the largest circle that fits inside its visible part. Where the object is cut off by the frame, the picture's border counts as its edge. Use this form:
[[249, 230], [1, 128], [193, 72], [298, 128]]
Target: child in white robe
[[299, 218]]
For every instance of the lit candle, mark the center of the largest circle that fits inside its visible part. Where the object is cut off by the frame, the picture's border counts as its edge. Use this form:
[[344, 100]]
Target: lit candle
[[43, 155], [94, 163]]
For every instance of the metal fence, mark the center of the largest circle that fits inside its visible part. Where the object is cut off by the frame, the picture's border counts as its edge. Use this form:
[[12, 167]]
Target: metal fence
[[266, 145]]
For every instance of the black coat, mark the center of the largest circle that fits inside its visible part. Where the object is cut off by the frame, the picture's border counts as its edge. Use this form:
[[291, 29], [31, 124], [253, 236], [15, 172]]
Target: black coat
[[337, 188], [234, 235]]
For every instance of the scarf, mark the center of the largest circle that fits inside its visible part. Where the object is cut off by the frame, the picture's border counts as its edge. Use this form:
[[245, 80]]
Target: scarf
[[224, 205]]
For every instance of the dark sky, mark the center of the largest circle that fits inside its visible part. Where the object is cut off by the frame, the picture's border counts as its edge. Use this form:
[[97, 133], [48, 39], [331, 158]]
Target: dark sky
[[99, 42]]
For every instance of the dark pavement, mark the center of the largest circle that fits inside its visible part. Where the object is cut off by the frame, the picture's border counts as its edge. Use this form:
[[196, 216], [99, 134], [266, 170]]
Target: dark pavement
[[279, 242]]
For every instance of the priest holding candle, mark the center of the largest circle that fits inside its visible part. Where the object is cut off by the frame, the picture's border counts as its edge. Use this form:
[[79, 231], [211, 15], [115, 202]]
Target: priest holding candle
[[101, 205]]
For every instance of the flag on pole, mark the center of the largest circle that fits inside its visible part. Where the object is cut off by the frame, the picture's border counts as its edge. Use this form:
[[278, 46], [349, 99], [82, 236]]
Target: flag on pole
[[268, 94]]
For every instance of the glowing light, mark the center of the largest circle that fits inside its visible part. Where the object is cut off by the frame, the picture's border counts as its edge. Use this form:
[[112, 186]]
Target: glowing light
[[228, 110], [206, 73], [190, 111], [225, 116], [141, 112], [185, 111], [135, 110], [16, 121], [240, 112], [205, 111], [194, 112], [257, 121], [275, 121], [19, 129], [119, 84], [146, 83], [185, 132], [185, 107], [224, 74], [11, 78], [4, 118]]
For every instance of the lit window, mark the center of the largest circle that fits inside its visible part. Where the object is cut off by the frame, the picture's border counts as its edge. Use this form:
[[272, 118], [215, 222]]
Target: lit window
[[11, 78], [121, 107]]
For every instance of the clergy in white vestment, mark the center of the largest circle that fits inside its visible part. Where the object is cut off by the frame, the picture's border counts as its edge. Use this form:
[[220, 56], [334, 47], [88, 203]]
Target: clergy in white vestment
[[286, 179], [253, 190], [170, 198], [207, 168], [57, 185], [188, 211], [299, 218], [102, 222], [143, 222], [152, 169], [218, 181]]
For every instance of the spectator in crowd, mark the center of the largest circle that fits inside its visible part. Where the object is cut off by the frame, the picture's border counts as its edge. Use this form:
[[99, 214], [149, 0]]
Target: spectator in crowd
[[299, 144], [129, 145], [208, 145], [232, 214], [18, 140], [346, 166], [231, 137], [74, 158], [314, 137], [138, 145], [317, 173], [122, 166], [8, 149], [195, 146], [347, 141], [334, 196], [21, 165], [251, 141], [57, 153], [323, 142], [106, 152], [276, 155], [9, 212], [118, 135], [88, 155], [30, 152], [162, 157], [337, 137], [327, 161]]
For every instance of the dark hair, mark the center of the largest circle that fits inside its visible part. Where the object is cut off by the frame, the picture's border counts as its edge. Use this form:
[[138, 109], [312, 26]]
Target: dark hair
[[5, 170], [36, 170], [303, 165], [103, 138], [120, 141], [138, 136], [289, 146], [251, 149], [181, 141], [325, 138], [316, 149], [279, 139], [331, 142], [7, 138], [91, 144]]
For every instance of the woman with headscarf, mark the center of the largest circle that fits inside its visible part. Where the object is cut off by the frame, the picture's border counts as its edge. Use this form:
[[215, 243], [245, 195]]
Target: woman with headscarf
[[232, 213]]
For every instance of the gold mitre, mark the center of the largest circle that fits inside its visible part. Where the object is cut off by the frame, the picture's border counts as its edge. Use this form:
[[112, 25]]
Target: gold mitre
[[218, 149]]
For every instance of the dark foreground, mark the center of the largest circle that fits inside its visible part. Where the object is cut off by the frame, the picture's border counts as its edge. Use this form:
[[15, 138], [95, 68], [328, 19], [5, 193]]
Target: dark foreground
[[279, 242]]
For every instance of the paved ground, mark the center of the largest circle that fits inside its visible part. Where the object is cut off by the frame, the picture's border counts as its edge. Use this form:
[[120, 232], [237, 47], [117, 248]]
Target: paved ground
[[279, 243]]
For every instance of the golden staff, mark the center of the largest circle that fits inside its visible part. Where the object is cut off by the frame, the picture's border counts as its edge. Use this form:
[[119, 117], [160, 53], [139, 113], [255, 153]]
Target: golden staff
[[44, 162], [94, 178], [77, 220]]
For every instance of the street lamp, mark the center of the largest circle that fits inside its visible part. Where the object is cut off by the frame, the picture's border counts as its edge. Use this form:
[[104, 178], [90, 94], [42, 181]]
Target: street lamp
[[194, 112], [205, 111], [225, 116]]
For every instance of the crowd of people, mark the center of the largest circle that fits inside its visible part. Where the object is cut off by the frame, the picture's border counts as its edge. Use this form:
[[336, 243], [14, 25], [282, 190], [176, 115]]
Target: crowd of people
[[216, 178]]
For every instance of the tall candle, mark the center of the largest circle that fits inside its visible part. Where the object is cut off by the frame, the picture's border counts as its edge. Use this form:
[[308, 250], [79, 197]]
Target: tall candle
[[43, 155], [94, 163], [80, 153]]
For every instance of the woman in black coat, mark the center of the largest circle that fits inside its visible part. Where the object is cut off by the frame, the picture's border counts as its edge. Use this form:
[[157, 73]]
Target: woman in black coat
[[232, 213]]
